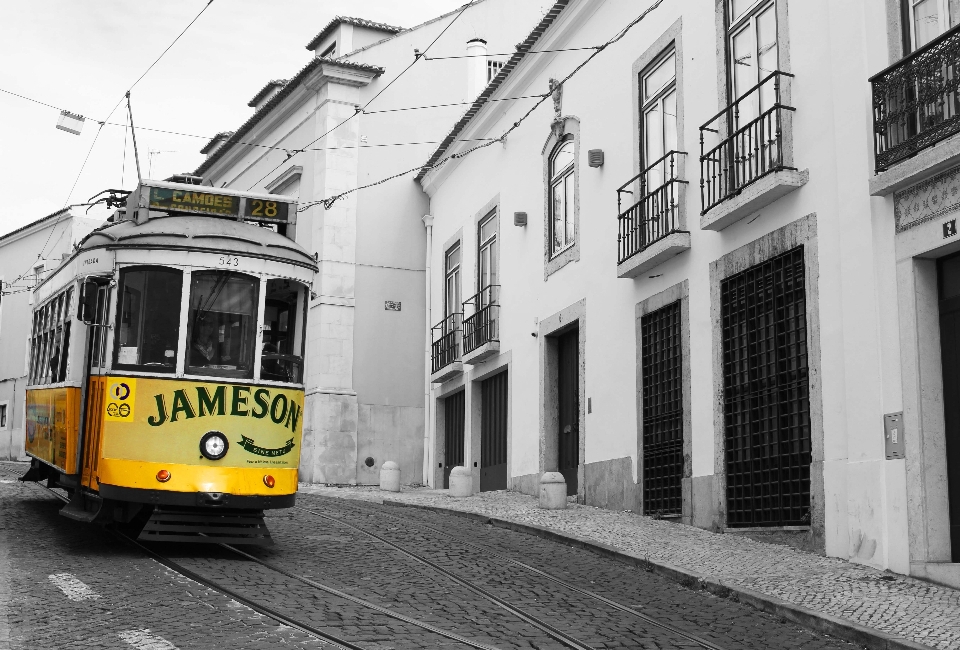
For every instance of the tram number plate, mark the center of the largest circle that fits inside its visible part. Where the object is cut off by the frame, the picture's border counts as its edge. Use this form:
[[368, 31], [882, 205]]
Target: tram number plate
[[228, 260], [264, 210]]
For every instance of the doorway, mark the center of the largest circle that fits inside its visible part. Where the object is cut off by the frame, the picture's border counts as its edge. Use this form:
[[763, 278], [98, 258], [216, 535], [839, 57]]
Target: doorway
[[948, 282], [453, 429], [568, 397], [493, 433]]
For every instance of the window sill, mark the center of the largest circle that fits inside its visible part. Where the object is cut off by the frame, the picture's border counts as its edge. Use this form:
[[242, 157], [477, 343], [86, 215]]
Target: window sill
[[554, 263], [759, 195], [769, 529], [654, 255], [447, 373], [926, 163]]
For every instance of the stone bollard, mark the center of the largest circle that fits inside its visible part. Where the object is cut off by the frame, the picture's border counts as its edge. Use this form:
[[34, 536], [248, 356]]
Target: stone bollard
[[390, 477], [461, 482], [553, 491]]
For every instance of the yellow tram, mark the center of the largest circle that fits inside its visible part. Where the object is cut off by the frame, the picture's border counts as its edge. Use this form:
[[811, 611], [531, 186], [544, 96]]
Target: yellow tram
[[166, 383]]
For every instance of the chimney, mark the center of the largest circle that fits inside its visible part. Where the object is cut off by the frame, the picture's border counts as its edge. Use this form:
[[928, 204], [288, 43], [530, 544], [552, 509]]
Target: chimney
[[476, 67]]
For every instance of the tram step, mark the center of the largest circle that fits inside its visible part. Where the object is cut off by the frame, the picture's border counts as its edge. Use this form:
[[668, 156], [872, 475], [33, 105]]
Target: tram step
[[84, 508], [205, 526]]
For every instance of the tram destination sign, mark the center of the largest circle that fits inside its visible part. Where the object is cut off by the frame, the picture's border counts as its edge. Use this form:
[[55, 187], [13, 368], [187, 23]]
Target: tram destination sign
[[163, 198]]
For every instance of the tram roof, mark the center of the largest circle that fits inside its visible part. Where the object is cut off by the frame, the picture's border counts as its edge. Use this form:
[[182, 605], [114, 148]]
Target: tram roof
[[202, 234]]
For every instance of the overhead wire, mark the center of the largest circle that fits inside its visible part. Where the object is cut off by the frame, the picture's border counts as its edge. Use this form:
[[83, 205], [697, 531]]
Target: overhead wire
[[97, 136], [329, 201], [360, 110]]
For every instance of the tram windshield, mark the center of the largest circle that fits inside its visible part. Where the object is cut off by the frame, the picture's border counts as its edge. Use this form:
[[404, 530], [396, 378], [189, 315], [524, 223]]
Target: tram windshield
[[284, 314], [148, 328], [222, 324]]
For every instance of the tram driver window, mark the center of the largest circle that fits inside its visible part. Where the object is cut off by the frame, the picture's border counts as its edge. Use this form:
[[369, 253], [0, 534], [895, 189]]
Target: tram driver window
[[222, 324], [149, 320], [283, 331]]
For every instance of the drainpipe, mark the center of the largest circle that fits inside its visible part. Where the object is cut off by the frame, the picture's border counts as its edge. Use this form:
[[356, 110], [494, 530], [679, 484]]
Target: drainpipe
[[427, 411]]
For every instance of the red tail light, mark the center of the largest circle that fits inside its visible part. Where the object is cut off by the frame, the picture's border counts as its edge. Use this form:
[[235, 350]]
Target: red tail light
[[269, 481], [163, 476]]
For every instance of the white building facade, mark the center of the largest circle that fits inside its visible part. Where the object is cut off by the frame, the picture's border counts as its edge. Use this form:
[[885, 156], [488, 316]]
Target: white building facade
[[710, 279], [366, 379], [32, 252]]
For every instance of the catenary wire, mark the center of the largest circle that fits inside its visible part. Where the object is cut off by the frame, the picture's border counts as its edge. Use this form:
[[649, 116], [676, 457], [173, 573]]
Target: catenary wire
[[329, 201], [477, 56]]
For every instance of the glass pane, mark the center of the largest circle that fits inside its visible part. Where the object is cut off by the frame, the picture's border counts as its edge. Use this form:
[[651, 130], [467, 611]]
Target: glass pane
[[557, 226], [670, 122], [488, 228], [453, 258], [221, 325], [569, 206], [662, 75], [149, 324], [453, 293], [563, 158], [653, 145], [926, 22], [283, 331], [767, 55], [744, 76], [738, 8]]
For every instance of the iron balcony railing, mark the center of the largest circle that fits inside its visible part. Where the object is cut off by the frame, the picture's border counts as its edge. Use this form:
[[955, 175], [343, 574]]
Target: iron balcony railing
[[482, 326], [446, 341], [657, 212], [916, 102], [744, 142]]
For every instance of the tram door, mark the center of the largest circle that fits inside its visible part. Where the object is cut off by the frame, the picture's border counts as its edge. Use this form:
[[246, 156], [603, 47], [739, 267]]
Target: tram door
[[493, 433], [568, 392], [453, 425], [949, 284]]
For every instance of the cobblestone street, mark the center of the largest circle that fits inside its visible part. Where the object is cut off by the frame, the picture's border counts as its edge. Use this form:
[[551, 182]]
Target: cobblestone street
[[72, 585]]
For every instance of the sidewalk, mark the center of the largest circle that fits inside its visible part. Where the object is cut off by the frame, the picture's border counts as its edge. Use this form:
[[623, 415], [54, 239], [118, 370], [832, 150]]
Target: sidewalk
[[875, 608]]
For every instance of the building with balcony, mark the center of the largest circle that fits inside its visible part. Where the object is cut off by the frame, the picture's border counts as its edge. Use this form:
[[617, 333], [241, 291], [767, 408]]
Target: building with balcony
[[721, 271], [356, 112]]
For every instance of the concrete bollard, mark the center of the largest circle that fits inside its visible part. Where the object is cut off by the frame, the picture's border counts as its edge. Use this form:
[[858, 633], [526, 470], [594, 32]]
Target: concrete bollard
[[553, 491], [461, 482], [390, 477]]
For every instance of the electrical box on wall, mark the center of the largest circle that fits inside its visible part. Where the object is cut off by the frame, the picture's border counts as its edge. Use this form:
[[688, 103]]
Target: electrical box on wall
[[893, 435]]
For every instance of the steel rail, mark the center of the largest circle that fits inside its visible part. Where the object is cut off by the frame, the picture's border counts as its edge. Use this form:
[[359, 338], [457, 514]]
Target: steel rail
[[566, 585], [543, 626]]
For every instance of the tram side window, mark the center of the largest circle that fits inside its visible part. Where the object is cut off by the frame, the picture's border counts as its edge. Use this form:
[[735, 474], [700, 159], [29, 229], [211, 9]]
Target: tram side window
[[222, 324], [50, 340], [148, 326], [284, 314]]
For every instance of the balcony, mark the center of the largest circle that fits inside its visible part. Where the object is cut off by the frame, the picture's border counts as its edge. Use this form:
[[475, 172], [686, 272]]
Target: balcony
[[746, 154], [481, 329], [651, 230], [916, 115], [445, 349]]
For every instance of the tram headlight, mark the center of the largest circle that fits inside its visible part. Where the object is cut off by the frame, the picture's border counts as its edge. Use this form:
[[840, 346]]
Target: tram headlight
[[214, 445]]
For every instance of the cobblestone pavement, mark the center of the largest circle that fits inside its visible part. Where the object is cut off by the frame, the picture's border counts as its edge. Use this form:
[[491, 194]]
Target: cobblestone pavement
[[910, 608]]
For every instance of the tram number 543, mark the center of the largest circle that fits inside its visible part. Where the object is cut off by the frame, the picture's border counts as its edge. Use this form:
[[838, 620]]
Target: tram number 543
[[228, 260]]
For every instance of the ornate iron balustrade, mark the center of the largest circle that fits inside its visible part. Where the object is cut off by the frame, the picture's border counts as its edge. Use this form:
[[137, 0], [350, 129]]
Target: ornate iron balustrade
[[656, 214], [482, 326], [749, 141], [916, 102], [446, 341]]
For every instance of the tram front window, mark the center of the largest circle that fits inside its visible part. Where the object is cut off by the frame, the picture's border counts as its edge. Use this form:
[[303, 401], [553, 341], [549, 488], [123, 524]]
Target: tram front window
[[222, 324], [284, 313], [149, 319]]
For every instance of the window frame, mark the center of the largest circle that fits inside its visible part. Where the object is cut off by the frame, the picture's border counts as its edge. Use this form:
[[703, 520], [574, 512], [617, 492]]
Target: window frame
[[562, 177], [51, 326], [5, 416], [114, 352], [456, 306], [658, 98], [910, 37], [747, 21], [482, 244]]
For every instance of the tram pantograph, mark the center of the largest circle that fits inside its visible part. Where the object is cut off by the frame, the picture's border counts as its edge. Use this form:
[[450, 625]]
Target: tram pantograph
[[166, 382]]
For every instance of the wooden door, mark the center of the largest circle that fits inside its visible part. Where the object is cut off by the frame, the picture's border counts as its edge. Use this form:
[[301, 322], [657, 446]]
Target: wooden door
[[568, 394]]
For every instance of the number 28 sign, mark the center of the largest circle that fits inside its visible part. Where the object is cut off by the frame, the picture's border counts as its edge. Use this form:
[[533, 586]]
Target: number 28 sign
[[266, 210]]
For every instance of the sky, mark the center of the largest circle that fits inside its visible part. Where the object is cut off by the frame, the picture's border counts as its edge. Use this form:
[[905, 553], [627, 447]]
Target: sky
[[82, 56]]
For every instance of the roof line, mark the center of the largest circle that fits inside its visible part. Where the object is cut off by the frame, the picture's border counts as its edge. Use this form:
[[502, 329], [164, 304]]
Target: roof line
[[350, 20], [35, 223], [528, 43]]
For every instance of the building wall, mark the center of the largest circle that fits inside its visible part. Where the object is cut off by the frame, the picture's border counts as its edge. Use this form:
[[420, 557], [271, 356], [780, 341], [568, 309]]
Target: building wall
[[365, 364], [861, 511]]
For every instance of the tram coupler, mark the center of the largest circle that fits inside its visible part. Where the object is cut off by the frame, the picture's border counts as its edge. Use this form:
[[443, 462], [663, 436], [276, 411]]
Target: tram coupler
[[36, 473]]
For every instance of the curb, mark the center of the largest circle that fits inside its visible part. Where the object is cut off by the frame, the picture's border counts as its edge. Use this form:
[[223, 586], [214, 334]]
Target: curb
[[816, 621]]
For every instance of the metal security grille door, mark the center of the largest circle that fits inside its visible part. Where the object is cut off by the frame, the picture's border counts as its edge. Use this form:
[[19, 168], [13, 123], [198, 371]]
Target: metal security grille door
[[662, 411], [766, 403], [453, 424], [493, 433], [949, 281]]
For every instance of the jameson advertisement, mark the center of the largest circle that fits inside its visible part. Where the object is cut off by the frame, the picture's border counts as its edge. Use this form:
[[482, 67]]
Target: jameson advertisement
[[159, 420]]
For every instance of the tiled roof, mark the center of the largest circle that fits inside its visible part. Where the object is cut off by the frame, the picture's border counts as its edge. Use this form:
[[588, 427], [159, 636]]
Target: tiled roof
[[58, 213], [223, 135], [495, 83], [263, 92], [359, 22], [274, 101]]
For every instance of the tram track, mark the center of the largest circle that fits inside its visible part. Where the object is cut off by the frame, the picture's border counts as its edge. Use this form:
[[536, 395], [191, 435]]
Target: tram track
[[666, 627]]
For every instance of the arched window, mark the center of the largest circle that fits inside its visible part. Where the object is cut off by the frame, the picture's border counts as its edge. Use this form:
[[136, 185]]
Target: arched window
[[562, 201]]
